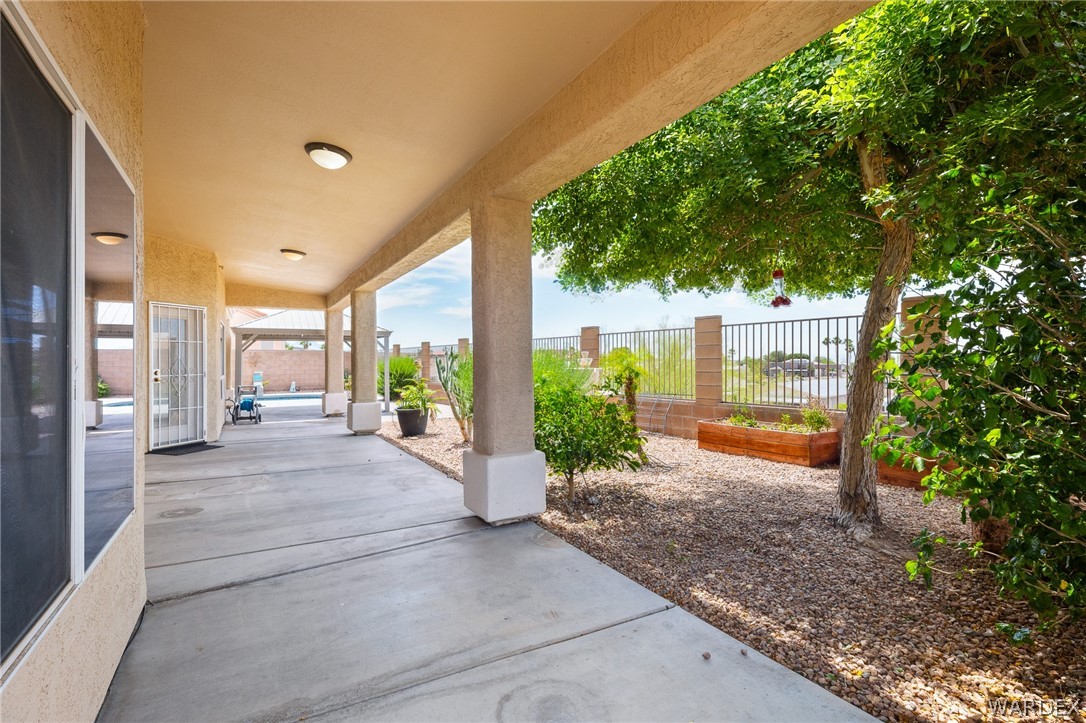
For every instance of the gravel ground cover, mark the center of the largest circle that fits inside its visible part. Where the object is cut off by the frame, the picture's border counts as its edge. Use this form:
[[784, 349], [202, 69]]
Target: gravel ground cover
[[747, 545]]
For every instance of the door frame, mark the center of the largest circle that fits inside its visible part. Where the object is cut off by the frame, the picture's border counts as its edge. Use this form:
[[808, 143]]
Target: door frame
[[151, 377]]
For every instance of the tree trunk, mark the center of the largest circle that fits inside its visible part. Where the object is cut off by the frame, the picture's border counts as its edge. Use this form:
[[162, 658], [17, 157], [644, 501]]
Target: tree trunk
[[857, 501]]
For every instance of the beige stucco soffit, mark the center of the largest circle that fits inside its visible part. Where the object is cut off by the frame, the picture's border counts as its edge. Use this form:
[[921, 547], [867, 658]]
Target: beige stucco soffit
[[677, 57]]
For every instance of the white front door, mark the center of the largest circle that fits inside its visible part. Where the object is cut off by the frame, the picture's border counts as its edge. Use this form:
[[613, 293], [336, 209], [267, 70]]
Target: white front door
[[178, 375]]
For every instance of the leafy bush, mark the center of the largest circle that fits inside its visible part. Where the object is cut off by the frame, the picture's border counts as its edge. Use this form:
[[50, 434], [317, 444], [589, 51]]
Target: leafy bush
[[455, 373], [992, 381], [560, 369], [743, 417], [103, 388], [578, 432], [403, 371], [815, 415]]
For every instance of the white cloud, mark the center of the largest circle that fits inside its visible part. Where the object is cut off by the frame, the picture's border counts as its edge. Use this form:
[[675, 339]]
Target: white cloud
[[405, 294], [453, 265], [461, 310]]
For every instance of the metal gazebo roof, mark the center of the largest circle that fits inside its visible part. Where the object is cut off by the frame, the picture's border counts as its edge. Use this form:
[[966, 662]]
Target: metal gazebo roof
[[291, 325]]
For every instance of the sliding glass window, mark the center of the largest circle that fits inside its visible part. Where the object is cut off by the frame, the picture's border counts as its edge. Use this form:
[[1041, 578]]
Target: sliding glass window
[[35, 359]]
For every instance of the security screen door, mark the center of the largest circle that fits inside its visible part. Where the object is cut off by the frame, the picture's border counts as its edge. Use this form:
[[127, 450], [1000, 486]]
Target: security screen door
[[178, 383]]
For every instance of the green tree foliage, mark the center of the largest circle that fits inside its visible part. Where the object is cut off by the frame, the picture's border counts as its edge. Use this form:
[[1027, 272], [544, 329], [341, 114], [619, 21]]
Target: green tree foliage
[[993, 378], [1000, 393], [832, 164], [579, 431], [455, 373]]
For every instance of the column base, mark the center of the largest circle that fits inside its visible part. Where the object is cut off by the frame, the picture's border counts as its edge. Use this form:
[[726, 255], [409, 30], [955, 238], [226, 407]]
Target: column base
[[364, 417], [334, 404], [505, 488], [93, 413]]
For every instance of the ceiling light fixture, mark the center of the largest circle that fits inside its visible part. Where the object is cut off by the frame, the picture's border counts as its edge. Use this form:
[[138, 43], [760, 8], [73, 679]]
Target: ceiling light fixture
[[293, 254], [109, 238], [328, 156]]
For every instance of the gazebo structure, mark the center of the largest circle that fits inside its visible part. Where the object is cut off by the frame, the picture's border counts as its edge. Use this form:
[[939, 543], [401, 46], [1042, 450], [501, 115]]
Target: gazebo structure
[[306, 325]]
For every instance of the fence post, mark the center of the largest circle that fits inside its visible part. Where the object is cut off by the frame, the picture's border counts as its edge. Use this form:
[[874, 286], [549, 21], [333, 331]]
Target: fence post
[[395, 350], [462, 346], [424, 359], [708, 360], [590, 342]]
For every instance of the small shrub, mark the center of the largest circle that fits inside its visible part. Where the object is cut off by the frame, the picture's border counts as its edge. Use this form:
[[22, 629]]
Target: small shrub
[[743, 417], [815, 415], [403, 371], [103, 388], [578, 432]]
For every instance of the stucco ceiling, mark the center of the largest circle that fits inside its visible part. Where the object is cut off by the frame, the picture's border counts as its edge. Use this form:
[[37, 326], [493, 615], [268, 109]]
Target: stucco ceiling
[[417, 92]]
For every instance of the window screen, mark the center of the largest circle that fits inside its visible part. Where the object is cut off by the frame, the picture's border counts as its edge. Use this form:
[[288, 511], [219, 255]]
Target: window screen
[[35, 163]]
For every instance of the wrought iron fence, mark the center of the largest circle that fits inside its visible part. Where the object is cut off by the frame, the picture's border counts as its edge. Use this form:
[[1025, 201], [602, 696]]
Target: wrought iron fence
[[561, 344], [782, 363], [411, 351], [666, 357]]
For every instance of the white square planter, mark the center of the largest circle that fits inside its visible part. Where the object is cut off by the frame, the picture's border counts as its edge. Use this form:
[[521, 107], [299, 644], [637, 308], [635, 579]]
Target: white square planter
[[93, 412]]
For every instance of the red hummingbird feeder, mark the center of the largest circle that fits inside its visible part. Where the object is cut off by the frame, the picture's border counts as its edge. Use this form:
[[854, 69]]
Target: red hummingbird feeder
[[778, 285]]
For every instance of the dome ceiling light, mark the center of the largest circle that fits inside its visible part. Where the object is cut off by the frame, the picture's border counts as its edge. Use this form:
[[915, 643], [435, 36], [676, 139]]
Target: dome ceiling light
[[327, 156], [293, 254], [109, 238]]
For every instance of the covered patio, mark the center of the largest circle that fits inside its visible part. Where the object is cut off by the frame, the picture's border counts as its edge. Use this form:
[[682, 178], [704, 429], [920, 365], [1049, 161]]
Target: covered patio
[[304, 325], [302, 572]]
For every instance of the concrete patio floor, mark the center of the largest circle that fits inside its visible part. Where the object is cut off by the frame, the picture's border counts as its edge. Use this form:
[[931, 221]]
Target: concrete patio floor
[[300, 572]]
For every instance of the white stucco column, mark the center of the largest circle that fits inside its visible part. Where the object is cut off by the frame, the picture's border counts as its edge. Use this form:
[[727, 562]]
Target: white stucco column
[[93, 406], [505, 476], [364, 411], [334, 401]]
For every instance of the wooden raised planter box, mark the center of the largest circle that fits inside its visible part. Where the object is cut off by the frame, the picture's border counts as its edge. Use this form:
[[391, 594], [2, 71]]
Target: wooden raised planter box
[[899, 476], [803, 448]]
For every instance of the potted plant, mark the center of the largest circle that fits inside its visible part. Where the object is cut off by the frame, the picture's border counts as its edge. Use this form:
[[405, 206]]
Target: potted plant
[[416, 408], [811, 443]]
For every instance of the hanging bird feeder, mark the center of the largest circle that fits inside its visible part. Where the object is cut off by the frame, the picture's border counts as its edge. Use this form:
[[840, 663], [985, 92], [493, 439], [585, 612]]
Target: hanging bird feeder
[[778, 285]]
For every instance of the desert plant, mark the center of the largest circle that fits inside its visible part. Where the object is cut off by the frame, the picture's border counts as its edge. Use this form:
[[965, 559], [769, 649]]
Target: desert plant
[[455, 374], [416, 395], [578, 432], [402, 371], [346, 381]]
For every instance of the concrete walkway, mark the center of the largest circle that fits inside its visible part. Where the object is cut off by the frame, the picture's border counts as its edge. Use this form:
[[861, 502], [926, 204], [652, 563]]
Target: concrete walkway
[[299, 572]]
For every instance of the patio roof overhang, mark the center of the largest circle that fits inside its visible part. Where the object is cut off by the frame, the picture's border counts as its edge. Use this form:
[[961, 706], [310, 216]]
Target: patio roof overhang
[[440, 104]]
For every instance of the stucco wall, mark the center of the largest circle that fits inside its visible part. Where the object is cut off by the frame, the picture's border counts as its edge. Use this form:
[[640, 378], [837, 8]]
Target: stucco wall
[[179, 274], [66, 671], [305, 367], [115, 369]]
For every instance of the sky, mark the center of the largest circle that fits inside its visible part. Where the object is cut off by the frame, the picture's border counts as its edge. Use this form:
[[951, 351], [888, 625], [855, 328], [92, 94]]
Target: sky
[[433, 303]]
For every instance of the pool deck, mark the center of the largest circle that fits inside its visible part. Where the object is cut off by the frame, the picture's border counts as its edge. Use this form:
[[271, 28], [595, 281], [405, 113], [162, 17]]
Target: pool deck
[[301, 572]]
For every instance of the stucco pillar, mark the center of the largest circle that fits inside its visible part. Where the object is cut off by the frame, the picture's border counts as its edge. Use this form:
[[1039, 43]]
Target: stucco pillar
[[505, 477], [93, 407], [590, 344], [463, 346], [395, 350], [364, 411], [334, 401], [708, 360], [426, 360]]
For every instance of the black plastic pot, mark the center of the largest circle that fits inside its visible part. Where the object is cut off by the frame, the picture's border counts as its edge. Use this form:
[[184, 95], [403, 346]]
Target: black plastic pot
[[412, 421]]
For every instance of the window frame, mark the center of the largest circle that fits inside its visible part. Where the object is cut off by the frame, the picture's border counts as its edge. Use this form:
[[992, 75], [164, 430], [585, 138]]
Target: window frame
[[46, 64]]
